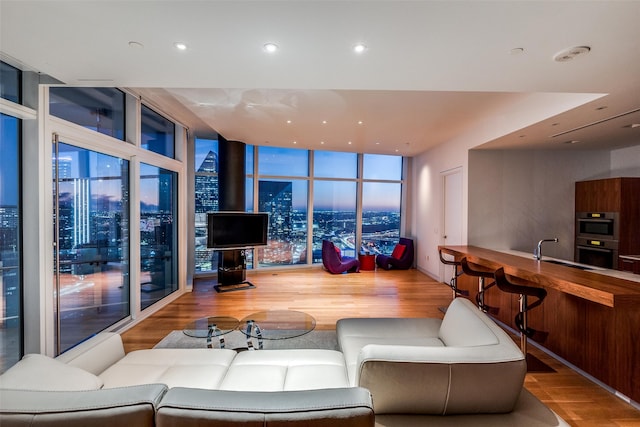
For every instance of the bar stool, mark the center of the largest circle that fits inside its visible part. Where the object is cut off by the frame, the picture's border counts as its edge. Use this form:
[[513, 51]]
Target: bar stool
[[481, 273], [525, 306], [453, 283]]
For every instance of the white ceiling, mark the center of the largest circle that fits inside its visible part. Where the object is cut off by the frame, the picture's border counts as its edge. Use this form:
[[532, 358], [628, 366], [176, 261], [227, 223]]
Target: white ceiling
[[433, 72]]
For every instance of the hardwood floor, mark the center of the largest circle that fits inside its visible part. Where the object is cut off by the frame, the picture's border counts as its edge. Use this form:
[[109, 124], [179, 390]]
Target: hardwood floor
[[374, 294]]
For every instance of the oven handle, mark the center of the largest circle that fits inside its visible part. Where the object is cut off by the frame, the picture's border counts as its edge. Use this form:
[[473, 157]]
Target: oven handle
[[594, 220], [592, 248]]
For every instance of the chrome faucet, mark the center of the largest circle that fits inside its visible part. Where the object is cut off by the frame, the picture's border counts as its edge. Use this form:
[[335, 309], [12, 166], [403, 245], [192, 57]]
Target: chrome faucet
[[537, 253]]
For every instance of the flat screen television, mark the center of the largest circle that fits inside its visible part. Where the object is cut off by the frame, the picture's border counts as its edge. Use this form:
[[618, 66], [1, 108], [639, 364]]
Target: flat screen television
[[234, 230]]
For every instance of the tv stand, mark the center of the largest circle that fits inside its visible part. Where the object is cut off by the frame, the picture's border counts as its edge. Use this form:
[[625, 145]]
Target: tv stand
[[232, 271]]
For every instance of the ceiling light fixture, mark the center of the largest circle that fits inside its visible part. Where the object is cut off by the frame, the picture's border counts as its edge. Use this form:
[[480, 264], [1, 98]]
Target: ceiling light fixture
[[360, 122], [180, 46], [270, 47], [135, 45], [359, 48], [516, 51], [288, 122], [571, 53], [324, 122], [633, 125]]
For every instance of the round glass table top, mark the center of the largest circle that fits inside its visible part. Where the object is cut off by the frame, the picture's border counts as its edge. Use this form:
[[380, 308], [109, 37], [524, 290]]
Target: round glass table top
[[277, 324], [199, 328]]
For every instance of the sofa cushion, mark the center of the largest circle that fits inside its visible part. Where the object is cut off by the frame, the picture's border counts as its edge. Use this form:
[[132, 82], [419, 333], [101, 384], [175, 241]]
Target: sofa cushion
[[355, 333], [95, 354], [40, 372], [341, 407], [398, 251], [466, 326], [119, 407], [292, 369], [193, 367]]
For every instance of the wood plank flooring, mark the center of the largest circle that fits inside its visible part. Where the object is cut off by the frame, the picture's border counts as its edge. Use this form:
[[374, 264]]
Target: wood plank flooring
[[374, 294]]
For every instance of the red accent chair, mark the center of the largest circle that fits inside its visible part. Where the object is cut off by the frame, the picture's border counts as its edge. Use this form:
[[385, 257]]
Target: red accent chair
[[335, 263], [402, 257]]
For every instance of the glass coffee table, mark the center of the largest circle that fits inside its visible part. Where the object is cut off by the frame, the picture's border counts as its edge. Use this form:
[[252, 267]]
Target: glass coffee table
[[210, 327], [276, 325]]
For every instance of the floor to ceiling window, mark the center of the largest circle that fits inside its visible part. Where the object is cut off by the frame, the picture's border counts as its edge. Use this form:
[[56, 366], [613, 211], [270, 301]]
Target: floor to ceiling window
[[91, 261], [158, 245], [95, 281], [355, 201], [381, 202], [206, 200], [10, 243], [283, 194], [334, 201], [10, 222]]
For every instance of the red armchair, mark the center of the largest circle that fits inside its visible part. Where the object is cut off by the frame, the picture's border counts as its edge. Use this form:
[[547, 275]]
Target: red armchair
[[401, 258], [335, 263]]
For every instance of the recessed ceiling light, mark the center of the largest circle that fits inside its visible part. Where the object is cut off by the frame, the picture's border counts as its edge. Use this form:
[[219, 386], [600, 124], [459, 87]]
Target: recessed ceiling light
[[349, 142], [572, 142], [571, 53], [321, 142], [604, 107], [180, 46], [295, 142], [633, 125], [359, 48], [270, 47], [324, 122], [360, 122], [516, 51], [288, 122], [135, 45]]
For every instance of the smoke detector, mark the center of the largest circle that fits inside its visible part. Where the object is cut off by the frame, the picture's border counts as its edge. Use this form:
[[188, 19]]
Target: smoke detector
[[571, 53]]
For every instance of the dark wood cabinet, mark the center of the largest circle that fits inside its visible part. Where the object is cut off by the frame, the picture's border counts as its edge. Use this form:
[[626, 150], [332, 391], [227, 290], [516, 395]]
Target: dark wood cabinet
[[620, 195], [632, 264]]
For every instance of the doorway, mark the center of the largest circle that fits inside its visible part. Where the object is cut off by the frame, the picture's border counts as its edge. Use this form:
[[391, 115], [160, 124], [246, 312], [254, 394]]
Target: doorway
[[452, 215]]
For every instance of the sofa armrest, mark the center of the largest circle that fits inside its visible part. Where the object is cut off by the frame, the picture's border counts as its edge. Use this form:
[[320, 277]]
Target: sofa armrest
[[441, 380], [340, 407], [95, 354], [126, 406]]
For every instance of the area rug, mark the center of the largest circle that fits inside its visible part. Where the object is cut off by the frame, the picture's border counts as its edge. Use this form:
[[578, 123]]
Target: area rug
[[237, 340]]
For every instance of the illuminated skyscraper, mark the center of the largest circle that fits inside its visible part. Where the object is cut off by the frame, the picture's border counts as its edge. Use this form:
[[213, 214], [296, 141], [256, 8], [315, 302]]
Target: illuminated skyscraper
[[206, 185], [276, 198]]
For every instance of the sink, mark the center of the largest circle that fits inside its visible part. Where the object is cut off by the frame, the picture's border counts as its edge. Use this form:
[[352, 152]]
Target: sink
[[568, 264]]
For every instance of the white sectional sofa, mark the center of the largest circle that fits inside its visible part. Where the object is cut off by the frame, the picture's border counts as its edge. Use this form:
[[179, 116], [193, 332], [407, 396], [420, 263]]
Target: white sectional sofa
[[463, 369]]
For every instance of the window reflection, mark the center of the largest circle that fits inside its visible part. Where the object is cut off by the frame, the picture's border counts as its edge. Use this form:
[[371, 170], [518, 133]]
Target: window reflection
[[157, 133], [98, 109], [92, 258], [158, 238]]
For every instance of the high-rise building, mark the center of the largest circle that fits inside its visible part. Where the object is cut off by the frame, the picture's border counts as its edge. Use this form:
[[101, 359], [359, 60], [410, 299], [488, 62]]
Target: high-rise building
[[276, 198], [206, 185]]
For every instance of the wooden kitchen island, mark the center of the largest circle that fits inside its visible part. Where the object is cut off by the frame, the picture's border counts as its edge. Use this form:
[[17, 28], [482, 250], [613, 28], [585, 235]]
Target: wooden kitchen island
[[592, 319]]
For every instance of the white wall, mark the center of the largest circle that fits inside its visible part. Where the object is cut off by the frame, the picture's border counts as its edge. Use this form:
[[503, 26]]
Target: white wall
[[626, 162], [521, 196]]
